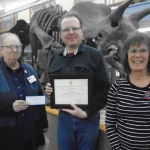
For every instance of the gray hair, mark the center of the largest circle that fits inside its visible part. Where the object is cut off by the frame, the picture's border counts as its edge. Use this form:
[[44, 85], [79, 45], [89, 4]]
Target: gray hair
[[4, 37]]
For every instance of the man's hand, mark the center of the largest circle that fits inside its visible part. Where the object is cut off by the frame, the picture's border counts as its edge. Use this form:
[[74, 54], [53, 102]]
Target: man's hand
[[77, 112], [19, 105], [45, 130], [48, 89]]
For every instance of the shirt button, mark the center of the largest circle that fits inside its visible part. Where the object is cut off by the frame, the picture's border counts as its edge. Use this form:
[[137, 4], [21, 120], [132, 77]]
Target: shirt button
[[15, 78], [20, 95], [67, 69], [22, 114], [18, 87]]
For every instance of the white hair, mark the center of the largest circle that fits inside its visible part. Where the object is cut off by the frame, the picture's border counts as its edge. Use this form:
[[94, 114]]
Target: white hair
[[4, 37]]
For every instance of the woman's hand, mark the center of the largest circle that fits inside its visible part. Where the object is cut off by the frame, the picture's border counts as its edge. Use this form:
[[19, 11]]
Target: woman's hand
[[19, 105]]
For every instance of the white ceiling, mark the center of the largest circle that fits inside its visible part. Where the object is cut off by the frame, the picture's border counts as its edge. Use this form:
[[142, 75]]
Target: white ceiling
[[8, 2], [12, 4]]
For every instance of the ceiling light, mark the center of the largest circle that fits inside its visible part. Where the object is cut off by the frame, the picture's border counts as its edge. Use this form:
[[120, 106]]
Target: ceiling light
[[144, 29]]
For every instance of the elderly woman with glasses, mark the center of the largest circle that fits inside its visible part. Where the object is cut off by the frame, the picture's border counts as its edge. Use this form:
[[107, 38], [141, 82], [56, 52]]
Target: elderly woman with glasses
[[21, 125], [128, 107]]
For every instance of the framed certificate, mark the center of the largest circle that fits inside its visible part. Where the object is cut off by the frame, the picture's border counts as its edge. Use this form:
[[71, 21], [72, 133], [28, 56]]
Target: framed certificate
[[70, 89]]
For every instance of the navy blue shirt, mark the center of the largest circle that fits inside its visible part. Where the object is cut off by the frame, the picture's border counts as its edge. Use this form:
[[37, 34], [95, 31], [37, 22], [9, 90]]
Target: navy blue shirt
[[17, 77]]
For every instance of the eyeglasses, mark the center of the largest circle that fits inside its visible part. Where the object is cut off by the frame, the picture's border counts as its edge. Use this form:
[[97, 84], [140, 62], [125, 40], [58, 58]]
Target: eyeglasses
[[11, 47], [67, 30], [141, 51]]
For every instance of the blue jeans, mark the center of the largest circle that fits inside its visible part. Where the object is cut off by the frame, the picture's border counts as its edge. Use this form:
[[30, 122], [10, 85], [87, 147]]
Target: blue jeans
[[77, 134]]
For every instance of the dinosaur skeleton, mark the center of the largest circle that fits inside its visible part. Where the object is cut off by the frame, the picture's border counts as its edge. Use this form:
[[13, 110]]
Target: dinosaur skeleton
[[102, 28], [44, 36]]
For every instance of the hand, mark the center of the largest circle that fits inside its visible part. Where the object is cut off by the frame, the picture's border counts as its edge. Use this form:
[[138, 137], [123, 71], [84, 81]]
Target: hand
[[77, 112], [48, 89], [19, 105], [45, 130]]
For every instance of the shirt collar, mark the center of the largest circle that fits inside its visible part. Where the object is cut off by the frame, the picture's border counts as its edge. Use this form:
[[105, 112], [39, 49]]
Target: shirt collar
[[65, 51], [10, 69], [79, 49]]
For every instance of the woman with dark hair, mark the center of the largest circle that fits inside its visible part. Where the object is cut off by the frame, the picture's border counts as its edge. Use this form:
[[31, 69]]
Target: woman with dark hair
[[128, 106]]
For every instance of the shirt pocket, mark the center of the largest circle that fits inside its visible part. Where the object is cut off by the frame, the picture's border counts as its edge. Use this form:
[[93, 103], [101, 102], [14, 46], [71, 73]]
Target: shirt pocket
[[55, 70], [82, 69]]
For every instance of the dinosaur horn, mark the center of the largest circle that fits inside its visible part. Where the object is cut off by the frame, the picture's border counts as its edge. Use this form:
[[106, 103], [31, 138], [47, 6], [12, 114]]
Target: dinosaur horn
[[139, 15], [118, 13]]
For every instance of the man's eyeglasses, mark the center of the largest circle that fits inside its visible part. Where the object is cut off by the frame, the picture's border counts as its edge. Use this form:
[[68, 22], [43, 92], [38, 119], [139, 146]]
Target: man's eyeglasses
[[67, 30], [11, 47], [134, 51]]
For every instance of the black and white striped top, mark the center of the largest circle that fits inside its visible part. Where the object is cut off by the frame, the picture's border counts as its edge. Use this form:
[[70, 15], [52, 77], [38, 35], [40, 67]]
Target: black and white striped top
[[128, 116]]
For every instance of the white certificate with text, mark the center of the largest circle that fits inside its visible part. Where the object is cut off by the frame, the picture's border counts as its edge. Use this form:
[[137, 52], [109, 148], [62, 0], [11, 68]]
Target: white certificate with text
[[71, 91]]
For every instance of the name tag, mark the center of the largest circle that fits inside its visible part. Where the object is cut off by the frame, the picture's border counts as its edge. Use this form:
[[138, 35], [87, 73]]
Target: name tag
[[31, 79], [36, 100]]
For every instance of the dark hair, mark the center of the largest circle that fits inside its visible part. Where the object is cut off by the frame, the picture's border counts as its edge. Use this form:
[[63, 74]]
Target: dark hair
[[69, 15], [136, 38]]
